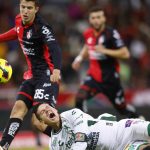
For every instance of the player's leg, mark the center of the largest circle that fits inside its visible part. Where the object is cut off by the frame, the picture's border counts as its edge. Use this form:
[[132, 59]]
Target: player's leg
[[115, 94], [85, 92], [23, 103]]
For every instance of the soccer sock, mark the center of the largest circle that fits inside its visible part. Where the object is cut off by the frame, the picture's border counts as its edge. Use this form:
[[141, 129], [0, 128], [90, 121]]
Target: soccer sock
[[48, 131], [10, 131]]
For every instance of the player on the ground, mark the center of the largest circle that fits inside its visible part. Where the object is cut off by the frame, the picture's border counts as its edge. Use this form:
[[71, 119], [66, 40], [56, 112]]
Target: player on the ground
[[43, 56], [104, 46], [74, 129]]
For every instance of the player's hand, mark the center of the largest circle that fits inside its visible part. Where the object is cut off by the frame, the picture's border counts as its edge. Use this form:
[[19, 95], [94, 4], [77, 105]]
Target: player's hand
[[100, 48], [77, 63], [55, 77]]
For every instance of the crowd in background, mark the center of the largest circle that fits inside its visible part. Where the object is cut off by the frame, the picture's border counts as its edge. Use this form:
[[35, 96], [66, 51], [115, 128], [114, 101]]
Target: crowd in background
[[69, 19]]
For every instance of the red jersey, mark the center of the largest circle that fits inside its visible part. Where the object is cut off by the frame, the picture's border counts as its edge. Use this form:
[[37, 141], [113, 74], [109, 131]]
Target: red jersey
[[101, 66], [39, 46]]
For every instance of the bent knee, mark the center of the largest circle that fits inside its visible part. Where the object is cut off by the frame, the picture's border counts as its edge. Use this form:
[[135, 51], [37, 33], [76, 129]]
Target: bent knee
[[19, 110]]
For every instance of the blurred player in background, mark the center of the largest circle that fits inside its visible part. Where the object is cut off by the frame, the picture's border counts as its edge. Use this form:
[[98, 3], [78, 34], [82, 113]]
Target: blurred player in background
[[38, 141], [43, 56], [104, 46], [74, 129]]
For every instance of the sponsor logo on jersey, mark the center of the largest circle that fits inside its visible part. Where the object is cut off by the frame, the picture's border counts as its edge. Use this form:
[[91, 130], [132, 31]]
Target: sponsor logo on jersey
[[80, 137], [29, 34], [128, 123], [109, 124], [46, 84], [27, 51], [93, 139], [48, 34], [90, 40]]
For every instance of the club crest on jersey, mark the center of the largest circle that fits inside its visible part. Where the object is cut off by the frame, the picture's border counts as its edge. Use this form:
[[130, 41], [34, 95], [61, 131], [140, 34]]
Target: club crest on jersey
[[90, 40], [101, 40], [29, 34]]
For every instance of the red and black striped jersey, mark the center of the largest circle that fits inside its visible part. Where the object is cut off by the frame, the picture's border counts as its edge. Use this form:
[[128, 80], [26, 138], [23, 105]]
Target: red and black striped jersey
[[39, 46], [101, 66]]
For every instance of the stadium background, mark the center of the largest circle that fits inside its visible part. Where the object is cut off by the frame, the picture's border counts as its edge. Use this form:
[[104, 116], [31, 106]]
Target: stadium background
[[68, 19]]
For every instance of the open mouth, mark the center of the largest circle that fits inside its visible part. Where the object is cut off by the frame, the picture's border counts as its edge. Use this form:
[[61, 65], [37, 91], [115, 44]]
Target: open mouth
[[25, 16], [51, 115]]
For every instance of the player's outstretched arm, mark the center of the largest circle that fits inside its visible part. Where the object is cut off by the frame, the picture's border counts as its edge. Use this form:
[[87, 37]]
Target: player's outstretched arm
[[9, 35], [54, 50], [77, 61]]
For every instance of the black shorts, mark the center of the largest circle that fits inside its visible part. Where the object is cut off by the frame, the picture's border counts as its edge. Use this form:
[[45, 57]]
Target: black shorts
[[34, 90], [111, 88]]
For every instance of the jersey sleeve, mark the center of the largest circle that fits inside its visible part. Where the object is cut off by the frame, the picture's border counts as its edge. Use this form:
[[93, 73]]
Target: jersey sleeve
[[78, 119], [116, 39], [9, 35], [54, 49]]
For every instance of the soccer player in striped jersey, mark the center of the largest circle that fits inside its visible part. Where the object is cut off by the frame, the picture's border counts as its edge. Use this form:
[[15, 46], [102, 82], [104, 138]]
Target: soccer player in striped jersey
[[43, 56], [103, 46]]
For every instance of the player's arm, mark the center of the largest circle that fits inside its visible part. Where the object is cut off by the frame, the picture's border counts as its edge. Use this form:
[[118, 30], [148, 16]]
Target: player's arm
[[82, 55], [121, 53], [54, 50], [9, 35], [80, 128], [119, 49]]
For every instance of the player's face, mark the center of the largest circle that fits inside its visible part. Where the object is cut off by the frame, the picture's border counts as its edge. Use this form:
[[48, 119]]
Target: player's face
[[48, 114], [97, 19], [28, 11]]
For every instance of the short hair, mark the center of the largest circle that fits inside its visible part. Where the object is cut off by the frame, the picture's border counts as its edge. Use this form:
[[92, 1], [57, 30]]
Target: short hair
[[95, 9], [146, 148], [35, 107], [34, 110], [37, 3]]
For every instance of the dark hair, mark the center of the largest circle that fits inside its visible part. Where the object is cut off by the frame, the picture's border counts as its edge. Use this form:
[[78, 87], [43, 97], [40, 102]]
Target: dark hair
[[35, 108], [146, 148], [95, 9], [37, 3]]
